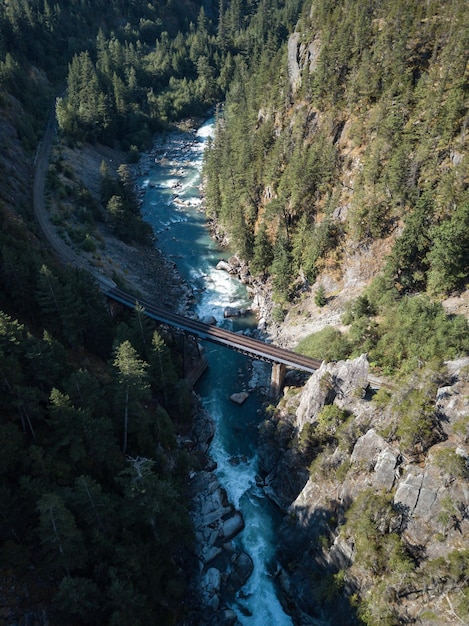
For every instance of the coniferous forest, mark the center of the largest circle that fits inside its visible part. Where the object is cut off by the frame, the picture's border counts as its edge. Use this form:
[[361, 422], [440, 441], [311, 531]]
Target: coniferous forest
[[339, 123]]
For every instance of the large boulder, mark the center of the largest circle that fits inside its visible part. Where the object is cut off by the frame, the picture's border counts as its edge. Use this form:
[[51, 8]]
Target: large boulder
[[224, 266], [367, 448], [283, 484], [339, 382], [385, 469], [210, 320], [451, 401], [240, 397], [241, 569], [231, 526], [210, 587], [372, 453], [231, 311], [203, 428]]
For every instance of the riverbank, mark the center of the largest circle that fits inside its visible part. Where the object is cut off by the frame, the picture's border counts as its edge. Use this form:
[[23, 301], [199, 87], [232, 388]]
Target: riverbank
[[140, 268], [220, 568]]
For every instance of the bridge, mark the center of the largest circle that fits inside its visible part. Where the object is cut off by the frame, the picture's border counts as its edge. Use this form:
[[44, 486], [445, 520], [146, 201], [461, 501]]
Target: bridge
[[279, 357]]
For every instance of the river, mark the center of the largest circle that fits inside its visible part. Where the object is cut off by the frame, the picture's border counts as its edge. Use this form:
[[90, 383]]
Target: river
[[171, 203]]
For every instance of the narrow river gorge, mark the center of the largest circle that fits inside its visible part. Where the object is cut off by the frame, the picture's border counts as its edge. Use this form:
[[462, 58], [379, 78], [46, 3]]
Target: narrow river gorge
[[169, 182]]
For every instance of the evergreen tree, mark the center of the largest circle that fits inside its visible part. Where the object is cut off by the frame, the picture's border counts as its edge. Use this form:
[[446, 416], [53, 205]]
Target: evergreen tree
[[70, 428], [262, 255], [117, 215], [408, 262], [141, 330], [162, 369], [449, 254], [62, 541], [127, 186], [282, 270], [48, 292], [132, 383], [79, 598], [107, 183]]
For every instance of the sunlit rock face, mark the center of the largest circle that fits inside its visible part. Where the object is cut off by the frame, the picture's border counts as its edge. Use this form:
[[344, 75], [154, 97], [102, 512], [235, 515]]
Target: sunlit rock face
[[427, 493], [339, 382]]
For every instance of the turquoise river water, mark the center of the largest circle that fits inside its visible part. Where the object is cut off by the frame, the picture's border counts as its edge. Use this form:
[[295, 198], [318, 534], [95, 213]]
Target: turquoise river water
[[171, 203]]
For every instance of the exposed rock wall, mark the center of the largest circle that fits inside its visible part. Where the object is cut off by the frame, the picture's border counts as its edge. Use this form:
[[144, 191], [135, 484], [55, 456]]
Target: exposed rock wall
[[427, 497], [301, 55], [333, 382]]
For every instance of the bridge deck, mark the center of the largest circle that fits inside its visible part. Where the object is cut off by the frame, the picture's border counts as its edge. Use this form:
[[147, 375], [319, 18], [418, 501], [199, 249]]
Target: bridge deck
[[247, 345]]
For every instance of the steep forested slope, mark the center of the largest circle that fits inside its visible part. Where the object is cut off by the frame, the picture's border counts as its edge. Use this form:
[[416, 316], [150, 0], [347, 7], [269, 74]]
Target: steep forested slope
[[352, 134], [94, 515], [357, 132]]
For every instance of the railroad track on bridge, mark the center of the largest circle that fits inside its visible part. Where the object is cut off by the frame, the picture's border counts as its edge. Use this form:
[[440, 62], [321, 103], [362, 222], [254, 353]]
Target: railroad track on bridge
[[221, 336]]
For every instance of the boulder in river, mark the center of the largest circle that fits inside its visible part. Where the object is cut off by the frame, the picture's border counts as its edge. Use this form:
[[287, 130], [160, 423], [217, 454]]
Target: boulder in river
[[226, 267], [232, 526], [210, 587], [209, 319], [231, 311], [239, 397], [241, 569]]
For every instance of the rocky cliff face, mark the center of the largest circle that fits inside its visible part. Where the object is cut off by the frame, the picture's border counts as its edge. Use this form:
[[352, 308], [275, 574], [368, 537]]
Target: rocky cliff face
[[374, 524]]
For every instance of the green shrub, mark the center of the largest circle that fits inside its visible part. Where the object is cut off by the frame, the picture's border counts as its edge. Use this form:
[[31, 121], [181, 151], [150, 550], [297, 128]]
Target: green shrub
[[341, 471], [330, 418], [448, 256], [415, 331], [320, 296], [382, 397], [355, 309], [306, 438], [278, 314], [461, 428], [417, 420], [451, 463], [88, 244], [133, 155], [463, 605], [329, 344]]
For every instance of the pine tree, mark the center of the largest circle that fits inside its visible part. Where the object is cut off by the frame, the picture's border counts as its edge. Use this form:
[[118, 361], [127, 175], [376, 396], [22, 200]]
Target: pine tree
[[132, 381], [162, 369], [117, 215], [48, 292], [107, 183], [127, 187], [79, 598], [449, 255], [282, 270], [94, 507], [262, 256], [61, 540], [141, 330], [67, 424]]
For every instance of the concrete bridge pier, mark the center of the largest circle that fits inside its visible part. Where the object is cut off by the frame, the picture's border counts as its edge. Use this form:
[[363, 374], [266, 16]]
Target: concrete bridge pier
[[276, 379]]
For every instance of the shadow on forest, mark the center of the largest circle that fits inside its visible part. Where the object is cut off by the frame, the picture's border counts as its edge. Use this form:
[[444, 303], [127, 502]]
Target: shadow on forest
[[314, 563]]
